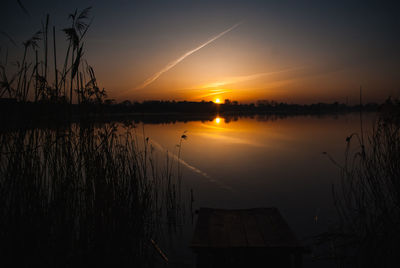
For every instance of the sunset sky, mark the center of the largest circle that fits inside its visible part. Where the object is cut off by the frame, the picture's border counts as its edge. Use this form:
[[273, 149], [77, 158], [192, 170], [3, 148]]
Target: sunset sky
[[294, 51]]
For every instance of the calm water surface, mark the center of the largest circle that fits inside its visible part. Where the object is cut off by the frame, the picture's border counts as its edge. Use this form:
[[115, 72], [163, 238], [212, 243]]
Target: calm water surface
[[258, 162]]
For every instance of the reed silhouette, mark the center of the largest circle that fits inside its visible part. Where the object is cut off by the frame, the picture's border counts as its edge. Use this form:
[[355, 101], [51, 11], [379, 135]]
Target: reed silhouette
[[31, 79], [84, 195], [368, 196]]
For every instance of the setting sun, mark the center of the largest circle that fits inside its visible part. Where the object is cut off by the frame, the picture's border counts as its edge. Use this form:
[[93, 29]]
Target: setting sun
[[165, 108]]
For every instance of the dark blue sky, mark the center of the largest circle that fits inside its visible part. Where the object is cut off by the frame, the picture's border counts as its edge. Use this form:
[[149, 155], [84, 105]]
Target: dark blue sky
[[300, 51]]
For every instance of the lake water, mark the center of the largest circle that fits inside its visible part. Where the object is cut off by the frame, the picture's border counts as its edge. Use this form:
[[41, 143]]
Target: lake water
[[259, 161], [226, 162]]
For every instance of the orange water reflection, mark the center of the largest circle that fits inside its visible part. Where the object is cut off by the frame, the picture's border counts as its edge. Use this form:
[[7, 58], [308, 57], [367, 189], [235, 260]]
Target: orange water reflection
[[262, 162], [228, 149]]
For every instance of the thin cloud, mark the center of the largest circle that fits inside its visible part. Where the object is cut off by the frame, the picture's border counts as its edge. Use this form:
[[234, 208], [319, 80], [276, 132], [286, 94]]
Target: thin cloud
[[170, 65], [219, 92], [242, 78]]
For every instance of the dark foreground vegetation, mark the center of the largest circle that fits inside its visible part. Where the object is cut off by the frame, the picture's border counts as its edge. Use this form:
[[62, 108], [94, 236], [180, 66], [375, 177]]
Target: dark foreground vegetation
[[83, 196], [75, 195], [41, 76], [368, 197]]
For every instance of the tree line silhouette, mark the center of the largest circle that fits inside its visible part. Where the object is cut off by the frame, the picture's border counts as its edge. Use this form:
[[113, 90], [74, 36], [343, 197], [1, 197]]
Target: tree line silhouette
[[261, 106]]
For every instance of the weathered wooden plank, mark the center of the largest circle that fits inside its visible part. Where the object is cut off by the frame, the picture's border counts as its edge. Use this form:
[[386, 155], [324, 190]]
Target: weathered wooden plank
[[267, 230], [218, 235], [260, 227], [201, 232], [236, 230], [286, 233], [274, 229], [252, 230]]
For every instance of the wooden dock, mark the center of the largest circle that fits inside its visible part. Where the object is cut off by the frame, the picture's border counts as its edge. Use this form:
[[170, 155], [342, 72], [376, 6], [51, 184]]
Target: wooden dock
[[245, 237]]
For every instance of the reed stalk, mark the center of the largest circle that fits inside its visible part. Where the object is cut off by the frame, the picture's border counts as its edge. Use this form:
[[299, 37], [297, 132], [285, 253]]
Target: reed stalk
[[83, 195], [33, 72], [367, 198]]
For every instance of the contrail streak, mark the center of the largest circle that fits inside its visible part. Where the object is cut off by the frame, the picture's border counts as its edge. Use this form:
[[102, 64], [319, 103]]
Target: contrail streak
[[181, 58], [192, 168]]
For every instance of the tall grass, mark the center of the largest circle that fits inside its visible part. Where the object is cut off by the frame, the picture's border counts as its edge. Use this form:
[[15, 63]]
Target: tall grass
[[78, 195], [82, 195], [29, 79], [368, 196]]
